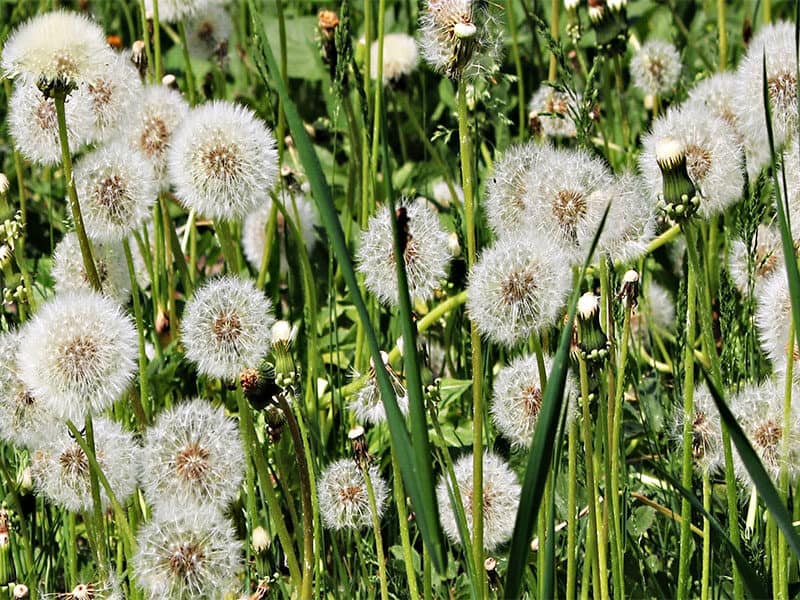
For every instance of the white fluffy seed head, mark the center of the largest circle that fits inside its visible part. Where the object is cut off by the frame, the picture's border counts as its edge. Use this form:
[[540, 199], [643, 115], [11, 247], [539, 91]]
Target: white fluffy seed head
[[109, 260], [507, 189], [791, 169], [254, 236], [117, 187], [517, 399], [61, 470], [222, 160], [33, 125], [713, 157], [172, 11], [773, 320], [501, 493], [367, 403], [656, 308], [565, 199], [764, 258], [426, 253], [759, 410], [226, 327], [343, 497], [631, 221], [777, 41], [187, 554], [656, 67], [78, 354], [400, 57], [553, 112], [209, 31], [441, 193], [112, 95], [24, 419], [516, 288], [706, 431], [56, 46], [193, 455], [151, 124], [458, 37], [719, 94]]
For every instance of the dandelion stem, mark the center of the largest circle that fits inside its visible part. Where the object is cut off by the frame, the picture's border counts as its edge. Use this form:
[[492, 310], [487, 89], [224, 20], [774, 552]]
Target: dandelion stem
[[467, 178], [66, 160], [723, 35], [512, 25], [191, 88], [572, 491], [246, 427], [72, 548], [229, 249], [402, 520], [783, 559], [139, 410], [269, 238], [555, 8], [706, 573], [376, 528], [156, 43]]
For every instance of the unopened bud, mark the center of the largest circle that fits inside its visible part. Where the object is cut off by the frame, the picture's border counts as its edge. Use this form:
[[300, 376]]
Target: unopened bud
[[261, 540], [21, 591], [169, 81]]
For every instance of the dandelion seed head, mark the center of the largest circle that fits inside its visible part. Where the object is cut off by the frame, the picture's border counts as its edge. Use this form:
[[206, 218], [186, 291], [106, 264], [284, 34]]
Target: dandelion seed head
[[400, 57], [70, 275], [767, 258], [507, 189], [630, 225], [516, 288], [367, 403], [656, 67], [112, 95], [501, 493], [343, 497], [208, 32], [222, 160], [706, 431], [559, 107], [226, 327], [441, 193], [426, 253], [172, 11], [78, 354]]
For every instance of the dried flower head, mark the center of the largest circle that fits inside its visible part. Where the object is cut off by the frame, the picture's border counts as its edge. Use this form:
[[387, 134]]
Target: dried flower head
[[151, 124], [117, 187], [713, 157], [187, 554], [343, 497], [552, 111], [706, 431], [222, 160], [226, 327], [193, 455], [56, 47], [656, 67], [33, 125], [501, 493], [458, 37], [777, 42], [254, 227], [78, 354], [367, 405], [61, 469], [70, 275], [516, 288], [517, 399], [400, 57], [425, 254]]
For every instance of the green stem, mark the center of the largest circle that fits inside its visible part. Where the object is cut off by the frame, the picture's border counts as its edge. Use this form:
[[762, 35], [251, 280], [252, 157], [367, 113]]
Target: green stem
[[77, 217], [723, 35], [305, 495], [139, 410], [783, 558], [427, 582], [269, 237], [402, 520], [246, 427], [229, 249], [706, 575], [555, 7], [376, 528], [467, 179], [280, 130], [72, 548], [156, 43], [572, 491], [512, 25], [191, 88]]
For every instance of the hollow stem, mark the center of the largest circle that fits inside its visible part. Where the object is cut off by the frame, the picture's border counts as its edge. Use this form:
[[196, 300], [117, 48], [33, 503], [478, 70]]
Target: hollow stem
[[139, 410], [572, 492], [402, 519], [376, 528]]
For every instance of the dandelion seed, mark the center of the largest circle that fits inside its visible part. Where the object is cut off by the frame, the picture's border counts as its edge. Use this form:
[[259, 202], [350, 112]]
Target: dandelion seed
[[226, 327], [655, 68], [33, 125], [400, 58], [78, 354], [706, 431], [516, 288], [193, 455], [425, 254], [187, 554], [713, 157], [501, 493], [70, 275], [58, 46], [458, 37], [117, 187], [254, 236], [559, 108], [151, 125], [343, 497], [368, 404], [517, 399], [222, 160], [61, 470]]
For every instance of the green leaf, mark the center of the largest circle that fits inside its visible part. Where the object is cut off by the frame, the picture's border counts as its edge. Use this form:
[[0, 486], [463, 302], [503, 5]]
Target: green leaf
[[544, 443], [417, 477]]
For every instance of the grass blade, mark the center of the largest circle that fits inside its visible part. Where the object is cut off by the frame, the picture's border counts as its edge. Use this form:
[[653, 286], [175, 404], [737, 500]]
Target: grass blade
[[419, 486], [540, 456]]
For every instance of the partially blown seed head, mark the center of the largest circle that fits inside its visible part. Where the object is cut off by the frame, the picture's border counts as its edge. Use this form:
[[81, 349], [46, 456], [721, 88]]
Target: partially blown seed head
[[656, 67], [343, 496], [109, 260]]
